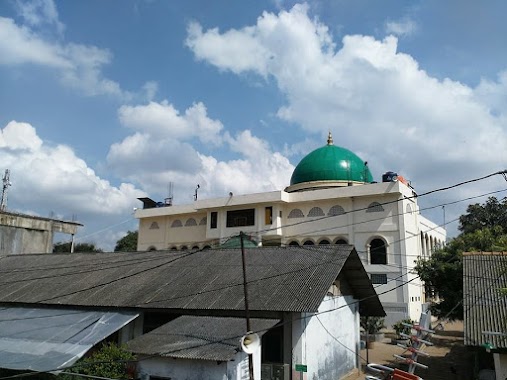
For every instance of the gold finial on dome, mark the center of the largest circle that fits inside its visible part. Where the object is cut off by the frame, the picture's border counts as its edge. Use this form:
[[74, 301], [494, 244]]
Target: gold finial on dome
[[329, 139]]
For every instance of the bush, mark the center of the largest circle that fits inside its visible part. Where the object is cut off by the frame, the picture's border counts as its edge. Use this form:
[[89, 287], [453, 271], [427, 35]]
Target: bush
[[372, 325], [400, 328], [111, 361]]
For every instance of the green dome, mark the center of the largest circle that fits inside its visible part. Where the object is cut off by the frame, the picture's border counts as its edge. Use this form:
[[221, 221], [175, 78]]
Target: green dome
[[331, 163]]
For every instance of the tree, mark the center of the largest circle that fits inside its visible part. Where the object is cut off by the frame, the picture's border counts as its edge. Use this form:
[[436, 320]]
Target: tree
[[483, 229], [128, 243], [63, 247], [110, 361], [371, 325], [492, 214]]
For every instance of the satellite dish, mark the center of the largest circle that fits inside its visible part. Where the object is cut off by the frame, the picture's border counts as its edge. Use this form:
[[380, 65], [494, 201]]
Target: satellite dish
[[250, 343]]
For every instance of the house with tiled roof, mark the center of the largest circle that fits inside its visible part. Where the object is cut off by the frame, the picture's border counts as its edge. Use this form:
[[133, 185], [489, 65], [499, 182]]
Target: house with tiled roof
[[184, 312]]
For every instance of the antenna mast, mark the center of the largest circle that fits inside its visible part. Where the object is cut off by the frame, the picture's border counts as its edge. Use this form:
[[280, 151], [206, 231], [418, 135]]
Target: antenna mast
[[169, 200], [6, 184]]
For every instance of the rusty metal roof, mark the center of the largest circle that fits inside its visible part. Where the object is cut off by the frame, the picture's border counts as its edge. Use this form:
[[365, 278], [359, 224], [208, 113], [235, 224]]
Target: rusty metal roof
[[279, 279], [485, 307], [192, 337]]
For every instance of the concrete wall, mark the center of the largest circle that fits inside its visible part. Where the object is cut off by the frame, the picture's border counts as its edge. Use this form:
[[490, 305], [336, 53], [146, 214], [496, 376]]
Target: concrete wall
[[500, 366], [328, 342], [184, 369], [21, 233], [14, 241]]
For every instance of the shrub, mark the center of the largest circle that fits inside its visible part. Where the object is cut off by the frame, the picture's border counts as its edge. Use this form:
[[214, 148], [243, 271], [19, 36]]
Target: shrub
[[111, 361], [372, 325], [400, 328]]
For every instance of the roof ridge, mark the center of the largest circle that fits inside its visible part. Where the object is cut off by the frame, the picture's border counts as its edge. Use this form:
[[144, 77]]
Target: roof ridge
[[488, 253]]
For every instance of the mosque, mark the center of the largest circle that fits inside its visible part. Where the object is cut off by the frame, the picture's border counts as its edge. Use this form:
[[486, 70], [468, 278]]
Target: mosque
[[332, 199]]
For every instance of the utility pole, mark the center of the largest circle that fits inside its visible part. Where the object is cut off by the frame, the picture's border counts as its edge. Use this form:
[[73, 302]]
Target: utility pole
[[6, 184], [247, 312]]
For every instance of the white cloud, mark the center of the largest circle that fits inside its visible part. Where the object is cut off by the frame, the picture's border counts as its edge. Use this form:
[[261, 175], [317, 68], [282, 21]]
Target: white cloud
[[86, 72], [377, 101], [38, 13], [211, 46], [494, 94], [79, 66], [162, 120], [151, 89], [19, 137], [163, 150], [401, 28], [18, 45], [258, 170], [53, 176]]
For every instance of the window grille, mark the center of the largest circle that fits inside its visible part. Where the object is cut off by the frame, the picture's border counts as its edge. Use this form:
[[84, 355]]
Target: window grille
[[190, 222], [316, 211], [378, 278], [336, 210], [296, 213], [176, 223], [375, 207]]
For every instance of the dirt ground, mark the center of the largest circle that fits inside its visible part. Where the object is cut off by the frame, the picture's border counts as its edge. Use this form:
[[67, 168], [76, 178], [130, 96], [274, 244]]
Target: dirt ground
[[449, 358]]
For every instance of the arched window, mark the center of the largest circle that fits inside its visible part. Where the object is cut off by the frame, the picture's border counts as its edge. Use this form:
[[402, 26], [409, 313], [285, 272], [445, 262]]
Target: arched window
[[341, 241], [177, 223], [184, 248], [293, 242], [378, 252], [336, 210], [174, 249], [152, 248], [375, 207], [195, 247], [309, 242], [315, 211], [206, 247], [324, 242], [296, 213], [154, 226], [203, 221], [190, 222]]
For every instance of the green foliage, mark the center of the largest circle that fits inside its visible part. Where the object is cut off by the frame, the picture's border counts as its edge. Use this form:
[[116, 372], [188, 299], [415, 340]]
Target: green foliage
[[372, 325], [493, 213], [111, 361], [484, 229], [128, 243], [63, 247], [400, 328]]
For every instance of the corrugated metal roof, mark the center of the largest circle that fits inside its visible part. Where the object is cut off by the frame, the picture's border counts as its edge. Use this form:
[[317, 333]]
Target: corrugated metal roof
[[485, 308], [205, 338], [279, 279]]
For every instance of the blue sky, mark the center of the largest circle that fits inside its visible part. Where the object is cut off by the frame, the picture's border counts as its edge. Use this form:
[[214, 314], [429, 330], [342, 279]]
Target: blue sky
[[103, 102]]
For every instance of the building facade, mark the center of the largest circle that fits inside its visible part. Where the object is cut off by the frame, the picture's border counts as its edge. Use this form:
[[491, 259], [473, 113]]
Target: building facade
[[332, 199]]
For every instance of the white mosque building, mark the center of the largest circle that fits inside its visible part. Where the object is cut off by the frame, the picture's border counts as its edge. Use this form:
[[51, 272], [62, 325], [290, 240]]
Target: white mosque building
[[332, 199]]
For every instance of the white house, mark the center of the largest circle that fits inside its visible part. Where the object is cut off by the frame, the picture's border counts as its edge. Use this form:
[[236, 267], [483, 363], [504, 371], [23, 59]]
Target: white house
[[331, 199]]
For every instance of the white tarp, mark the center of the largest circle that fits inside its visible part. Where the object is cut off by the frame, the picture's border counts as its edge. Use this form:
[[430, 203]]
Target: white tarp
[[47, 339]]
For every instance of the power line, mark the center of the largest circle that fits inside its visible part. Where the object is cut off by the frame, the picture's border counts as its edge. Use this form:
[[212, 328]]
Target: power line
[[317, 219], [319, 313]]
